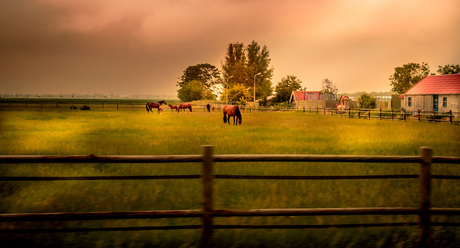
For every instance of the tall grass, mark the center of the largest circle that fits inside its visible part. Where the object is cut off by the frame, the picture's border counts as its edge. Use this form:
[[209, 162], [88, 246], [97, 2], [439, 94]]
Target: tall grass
[[138, 133]]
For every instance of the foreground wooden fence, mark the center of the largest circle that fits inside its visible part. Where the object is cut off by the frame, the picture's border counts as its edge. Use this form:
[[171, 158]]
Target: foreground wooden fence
[[207, 212]]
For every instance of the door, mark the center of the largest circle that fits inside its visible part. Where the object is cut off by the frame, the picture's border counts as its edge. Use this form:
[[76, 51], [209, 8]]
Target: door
[[435, 102]]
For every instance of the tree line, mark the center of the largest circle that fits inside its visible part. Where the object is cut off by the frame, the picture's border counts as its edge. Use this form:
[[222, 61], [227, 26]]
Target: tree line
[[246, 75]]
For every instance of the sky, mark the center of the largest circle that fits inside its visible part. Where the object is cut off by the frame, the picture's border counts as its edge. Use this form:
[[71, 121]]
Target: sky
[[143, 46]]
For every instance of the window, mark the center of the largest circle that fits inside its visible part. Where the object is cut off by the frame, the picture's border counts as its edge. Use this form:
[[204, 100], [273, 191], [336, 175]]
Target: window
[[409, 101], [444, 101]]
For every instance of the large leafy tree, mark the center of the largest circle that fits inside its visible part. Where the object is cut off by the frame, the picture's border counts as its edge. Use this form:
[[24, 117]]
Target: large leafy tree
[[206, 73], [258, 61], [192, 90], [407, 75], [248, 65], [285, 87], [449, 69]]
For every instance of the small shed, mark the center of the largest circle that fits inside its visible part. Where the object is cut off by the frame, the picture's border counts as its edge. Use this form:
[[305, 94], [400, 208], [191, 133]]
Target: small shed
[[440, 93]]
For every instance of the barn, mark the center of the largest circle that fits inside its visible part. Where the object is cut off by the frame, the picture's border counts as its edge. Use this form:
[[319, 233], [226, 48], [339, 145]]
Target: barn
[[440, 93], [311, 99]]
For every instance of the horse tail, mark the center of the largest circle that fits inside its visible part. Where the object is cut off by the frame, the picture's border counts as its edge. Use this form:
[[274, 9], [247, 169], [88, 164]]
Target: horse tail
[[147, 107]]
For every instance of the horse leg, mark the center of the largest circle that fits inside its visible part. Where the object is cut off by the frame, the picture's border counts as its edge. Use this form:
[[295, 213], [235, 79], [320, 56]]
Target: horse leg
[[225, 117]]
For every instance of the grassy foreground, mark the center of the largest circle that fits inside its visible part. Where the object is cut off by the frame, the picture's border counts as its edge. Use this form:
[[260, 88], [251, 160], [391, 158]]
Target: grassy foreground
[[69, 132]]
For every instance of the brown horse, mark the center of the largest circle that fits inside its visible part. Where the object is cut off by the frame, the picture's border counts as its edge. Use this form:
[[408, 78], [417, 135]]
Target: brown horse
[[232, 110], [184, 106], [209, 107], [173, 107], [150, 105]]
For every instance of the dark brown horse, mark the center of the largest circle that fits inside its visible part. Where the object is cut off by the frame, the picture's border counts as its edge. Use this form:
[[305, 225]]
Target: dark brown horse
[[209, 107], [232, 110], [151, 105], [184, 106], [173, 107]]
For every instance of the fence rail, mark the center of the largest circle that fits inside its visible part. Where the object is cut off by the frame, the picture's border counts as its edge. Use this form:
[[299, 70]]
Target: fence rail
[[207, 212]]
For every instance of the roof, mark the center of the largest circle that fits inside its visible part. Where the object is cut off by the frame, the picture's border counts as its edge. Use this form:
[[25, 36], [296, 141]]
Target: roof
[[436, 84], [306, 95]]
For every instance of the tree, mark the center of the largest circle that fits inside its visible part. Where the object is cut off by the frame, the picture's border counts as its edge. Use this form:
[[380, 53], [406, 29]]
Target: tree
[[367, 101], [285, 88], [192, 90], [206, 73], [258, 61], [242, 64], [449, 69], [239, 92], [406, 76], [328, 87]]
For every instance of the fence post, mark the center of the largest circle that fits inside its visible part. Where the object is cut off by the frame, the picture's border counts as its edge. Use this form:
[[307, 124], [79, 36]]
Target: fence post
[[450, 116], [425, 196], [380, 117], [369, 114], [207, 204], [392, 114], [349, 112], [419, 115]]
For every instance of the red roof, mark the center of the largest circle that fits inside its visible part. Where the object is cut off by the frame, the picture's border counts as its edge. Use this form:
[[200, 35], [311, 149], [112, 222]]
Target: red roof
[[438, 84], [307, 95]]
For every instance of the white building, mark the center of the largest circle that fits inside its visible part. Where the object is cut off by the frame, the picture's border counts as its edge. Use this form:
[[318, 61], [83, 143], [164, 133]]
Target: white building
[[440, 93]]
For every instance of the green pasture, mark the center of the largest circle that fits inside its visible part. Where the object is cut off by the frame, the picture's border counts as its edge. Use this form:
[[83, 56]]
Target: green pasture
[[111, 132]]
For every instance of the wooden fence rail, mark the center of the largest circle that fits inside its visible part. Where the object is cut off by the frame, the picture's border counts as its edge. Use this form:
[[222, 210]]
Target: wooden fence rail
[[207, 212]]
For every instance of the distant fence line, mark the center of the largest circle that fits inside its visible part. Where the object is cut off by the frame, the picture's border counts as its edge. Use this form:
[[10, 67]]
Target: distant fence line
[[382, 114], [207, 213]]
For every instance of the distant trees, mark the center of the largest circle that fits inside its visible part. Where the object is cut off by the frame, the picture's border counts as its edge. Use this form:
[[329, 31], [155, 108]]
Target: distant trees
[[285, 87], [407, 75]]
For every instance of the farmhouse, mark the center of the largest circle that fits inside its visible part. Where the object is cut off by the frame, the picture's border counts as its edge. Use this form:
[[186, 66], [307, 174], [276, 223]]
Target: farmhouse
[[439, 93], [311, 99]]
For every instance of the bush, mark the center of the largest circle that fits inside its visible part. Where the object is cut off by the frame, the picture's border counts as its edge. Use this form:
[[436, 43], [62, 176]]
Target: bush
[[367, 101]]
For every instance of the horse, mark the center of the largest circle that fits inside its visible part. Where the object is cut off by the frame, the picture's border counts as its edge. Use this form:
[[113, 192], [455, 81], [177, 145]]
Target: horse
[[232, 110], [184, 106], [150, 105], [173, 107], [209, 107]]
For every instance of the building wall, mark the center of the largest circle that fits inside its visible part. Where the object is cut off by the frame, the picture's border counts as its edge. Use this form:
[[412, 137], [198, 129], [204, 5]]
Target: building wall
[[425, 103]]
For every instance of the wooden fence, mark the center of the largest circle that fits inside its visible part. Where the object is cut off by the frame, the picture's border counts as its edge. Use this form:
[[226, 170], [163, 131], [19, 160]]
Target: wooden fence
[[381, 114], [207, 212]]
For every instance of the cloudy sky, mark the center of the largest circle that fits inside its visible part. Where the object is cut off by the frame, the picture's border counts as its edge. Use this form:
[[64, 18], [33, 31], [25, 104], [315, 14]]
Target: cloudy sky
[[143, 46]]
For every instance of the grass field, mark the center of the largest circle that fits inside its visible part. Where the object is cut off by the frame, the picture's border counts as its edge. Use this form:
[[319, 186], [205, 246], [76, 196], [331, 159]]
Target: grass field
[[104, 132]]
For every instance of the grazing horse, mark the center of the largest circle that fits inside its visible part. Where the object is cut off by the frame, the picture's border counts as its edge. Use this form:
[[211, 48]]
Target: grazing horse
[[150, 105], [173, 107], [232, 110], [184, 106], [209, 107]]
